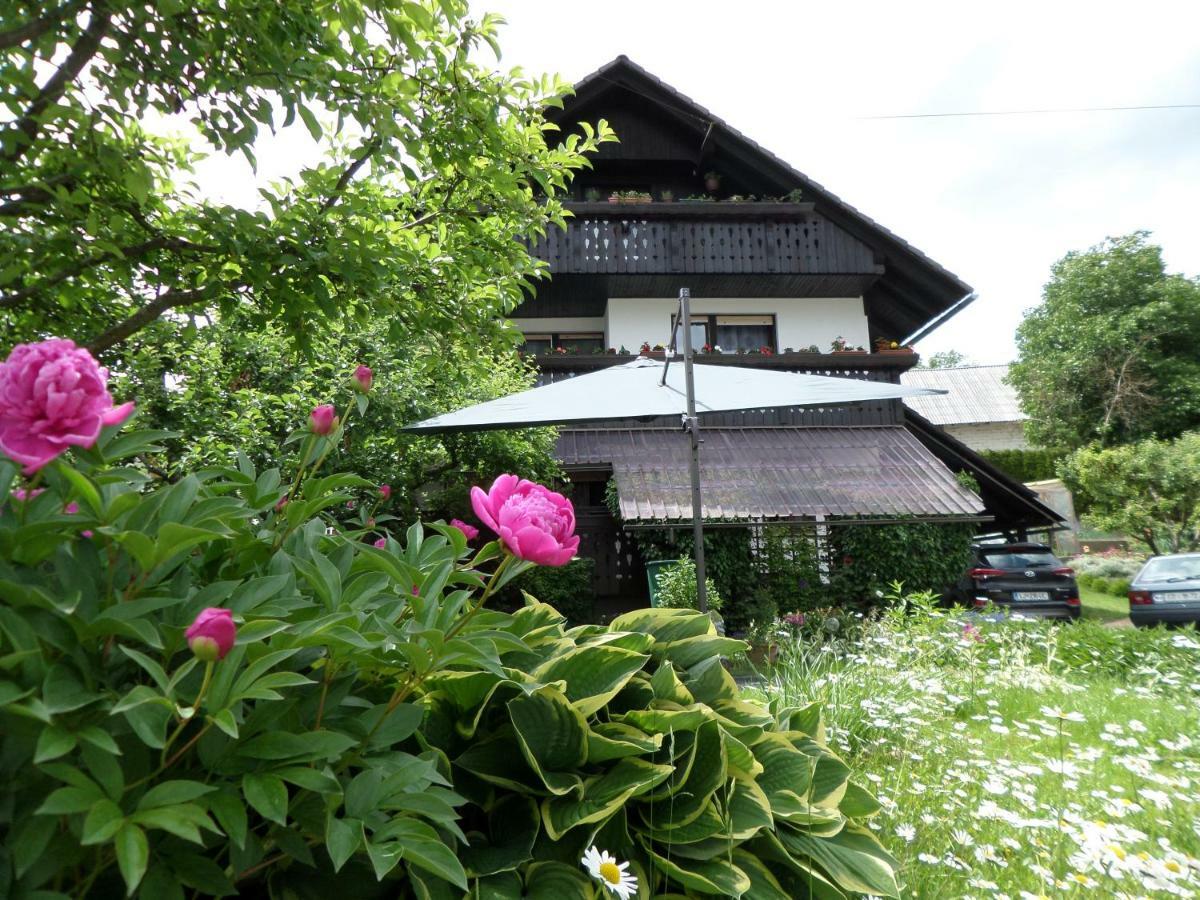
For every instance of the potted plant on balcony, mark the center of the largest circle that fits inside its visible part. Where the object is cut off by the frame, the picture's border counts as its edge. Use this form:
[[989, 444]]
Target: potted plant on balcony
[[633, 197], [892, 348], [614, 197], [766, 351], [696, 198], [645, 348], [666, 195], [712, 182], [839, 345], [812, 348], [794, 196], [592, 195]]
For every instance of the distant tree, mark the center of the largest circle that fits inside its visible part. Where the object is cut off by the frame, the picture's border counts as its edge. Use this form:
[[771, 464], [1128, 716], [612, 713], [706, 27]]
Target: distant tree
[[1113, 353], [943, 359], [1149, 490], [429, 169]]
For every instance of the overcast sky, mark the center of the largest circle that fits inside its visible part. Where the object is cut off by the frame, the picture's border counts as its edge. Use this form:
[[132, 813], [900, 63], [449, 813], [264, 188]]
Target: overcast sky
[[995, 199]]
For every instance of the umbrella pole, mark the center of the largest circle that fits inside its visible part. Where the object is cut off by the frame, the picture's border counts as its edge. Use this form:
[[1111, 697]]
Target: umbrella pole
[[692, 425]]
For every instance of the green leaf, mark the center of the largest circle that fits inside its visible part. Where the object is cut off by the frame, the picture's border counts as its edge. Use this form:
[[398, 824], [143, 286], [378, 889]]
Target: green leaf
[[594, 674], [27, 841], [713, 876], [342, 838], [268, 795], [174, 539], [62, 691], [171, 792], [84, 487], [308, 745], [310, 121], [102, 822], [852, 858], [133, 853], [69, 800], [602, 795], [552, 735], [52, 743], [557, 881], [231, 815]]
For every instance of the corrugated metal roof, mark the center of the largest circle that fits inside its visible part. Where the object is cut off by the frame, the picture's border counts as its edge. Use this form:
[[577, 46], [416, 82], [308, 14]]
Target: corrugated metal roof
[[977, 394], [773, 473]]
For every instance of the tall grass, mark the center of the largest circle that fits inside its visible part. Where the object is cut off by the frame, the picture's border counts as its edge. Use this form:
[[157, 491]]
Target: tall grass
[[1019, 759]]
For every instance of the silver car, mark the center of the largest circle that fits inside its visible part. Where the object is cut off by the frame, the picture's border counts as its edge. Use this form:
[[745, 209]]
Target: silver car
[[1167, 590]]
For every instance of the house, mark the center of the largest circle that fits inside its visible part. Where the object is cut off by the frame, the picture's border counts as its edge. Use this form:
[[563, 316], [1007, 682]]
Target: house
[[783, 274], [981, 409]]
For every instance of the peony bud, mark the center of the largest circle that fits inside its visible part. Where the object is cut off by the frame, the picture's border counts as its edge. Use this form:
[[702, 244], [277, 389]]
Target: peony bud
[[363, 376], [281, 503], [323, 419], [470, 531], [385, 491], [212, 635], [381, 543]]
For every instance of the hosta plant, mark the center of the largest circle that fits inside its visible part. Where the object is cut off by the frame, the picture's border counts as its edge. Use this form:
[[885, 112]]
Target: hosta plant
[[230, 684]]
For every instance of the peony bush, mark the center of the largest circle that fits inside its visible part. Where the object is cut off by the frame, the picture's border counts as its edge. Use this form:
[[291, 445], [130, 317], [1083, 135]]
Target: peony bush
[[251, 682]]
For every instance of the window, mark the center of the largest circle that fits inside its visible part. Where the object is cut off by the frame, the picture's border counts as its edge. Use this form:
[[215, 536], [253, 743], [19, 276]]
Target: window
[[571, 342], [732, 333]]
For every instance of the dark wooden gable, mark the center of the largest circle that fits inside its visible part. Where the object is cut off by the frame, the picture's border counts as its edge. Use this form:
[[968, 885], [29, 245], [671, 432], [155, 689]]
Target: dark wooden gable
[[668, 141]]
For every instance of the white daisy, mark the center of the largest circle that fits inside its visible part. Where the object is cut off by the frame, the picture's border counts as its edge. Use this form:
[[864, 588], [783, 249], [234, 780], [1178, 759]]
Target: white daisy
[[603, 866]]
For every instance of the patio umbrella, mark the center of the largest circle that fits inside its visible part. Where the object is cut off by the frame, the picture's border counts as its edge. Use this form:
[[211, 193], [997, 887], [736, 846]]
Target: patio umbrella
[[646, 389]]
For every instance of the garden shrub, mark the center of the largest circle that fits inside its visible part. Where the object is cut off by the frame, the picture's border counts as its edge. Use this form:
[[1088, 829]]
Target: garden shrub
[[1026, 465], [677, 587], [567, 588], [346, 714], [864, 559]]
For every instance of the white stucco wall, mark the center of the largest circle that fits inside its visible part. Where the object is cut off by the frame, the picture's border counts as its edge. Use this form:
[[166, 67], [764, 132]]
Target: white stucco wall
[[799, 321], [558, 325], [990, 435]]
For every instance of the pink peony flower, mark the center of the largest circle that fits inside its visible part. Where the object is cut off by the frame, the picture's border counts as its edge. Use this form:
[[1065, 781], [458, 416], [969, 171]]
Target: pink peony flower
[[534, 522], [381, 543], [363, 376], [469, 530], [71, 508], [796, 619], [53, 395], [323, 419], [212, 634], [385, 491]]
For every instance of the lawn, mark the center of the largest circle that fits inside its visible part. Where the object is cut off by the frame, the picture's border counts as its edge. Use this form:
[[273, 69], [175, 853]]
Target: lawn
[[1018, 760], [1103, 607]]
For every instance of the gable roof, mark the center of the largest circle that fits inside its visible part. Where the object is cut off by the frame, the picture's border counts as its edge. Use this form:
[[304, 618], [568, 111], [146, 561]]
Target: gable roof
[[915, 294], [976, 394]]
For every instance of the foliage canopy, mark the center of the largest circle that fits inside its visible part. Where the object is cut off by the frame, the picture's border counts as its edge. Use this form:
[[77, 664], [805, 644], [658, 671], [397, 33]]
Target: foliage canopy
[[1113, 353], [428, 168], [1149, 490]]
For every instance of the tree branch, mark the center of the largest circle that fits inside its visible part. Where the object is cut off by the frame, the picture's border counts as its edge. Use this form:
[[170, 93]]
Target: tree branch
[[368, 151], [147, 314], [35, 29], [162, 242], [81, 53]]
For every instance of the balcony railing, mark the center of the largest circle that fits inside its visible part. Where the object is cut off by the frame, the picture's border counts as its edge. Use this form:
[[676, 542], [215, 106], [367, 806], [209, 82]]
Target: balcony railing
[[717, 238]]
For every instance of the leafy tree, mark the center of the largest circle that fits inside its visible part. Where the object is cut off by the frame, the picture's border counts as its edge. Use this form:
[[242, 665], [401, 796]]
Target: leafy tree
[[943, 359], [429, 170], [1113, 353], [241, 389], [1149, 490]]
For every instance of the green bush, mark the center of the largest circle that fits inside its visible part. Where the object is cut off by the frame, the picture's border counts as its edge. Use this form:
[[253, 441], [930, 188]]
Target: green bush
[[1116, 586], [925, 556], [567, 588], [1026, 465], [376, 730], [677, 587]]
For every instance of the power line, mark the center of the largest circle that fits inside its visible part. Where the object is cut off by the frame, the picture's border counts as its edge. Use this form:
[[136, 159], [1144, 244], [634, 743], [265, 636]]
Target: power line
[[1032, 112]]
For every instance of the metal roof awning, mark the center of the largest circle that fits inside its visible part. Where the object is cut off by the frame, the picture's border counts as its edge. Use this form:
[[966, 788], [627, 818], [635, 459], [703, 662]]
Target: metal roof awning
[[781, 474]]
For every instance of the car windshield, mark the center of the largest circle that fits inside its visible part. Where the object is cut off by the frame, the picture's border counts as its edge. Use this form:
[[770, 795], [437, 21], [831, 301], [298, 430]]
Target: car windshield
[[1020, 559], [1172, 568]]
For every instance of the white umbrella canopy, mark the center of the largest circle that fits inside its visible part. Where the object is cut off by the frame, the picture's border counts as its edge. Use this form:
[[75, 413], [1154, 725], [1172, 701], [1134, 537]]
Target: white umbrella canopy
[[634, 391]]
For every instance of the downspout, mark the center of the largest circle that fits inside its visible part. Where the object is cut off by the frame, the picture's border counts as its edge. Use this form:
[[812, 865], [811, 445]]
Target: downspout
[[941, 320]]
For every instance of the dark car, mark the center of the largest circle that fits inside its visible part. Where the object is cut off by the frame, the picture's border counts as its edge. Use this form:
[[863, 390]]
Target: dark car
[[1020, 578], [1167, 589]]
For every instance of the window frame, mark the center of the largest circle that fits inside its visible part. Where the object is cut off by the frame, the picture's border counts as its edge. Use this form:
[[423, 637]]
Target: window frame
[[709, 320], [560, 338]]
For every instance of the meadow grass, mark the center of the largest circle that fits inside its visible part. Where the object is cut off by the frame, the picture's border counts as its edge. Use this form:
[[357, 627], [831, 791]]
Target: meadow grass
[[1017, 759], [1104, 607]]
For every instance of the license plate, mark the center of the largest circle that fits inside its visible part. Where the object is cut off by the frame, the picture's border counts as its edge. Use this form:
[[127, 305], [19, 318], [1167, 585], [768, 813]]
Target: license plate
[[1031, 595], [1178, 597]]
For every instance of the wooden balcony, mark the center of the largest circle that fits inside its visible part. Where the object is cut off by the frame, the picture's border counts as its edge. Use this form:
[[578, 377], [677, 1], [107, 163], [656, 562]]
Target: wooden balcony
[[703, 239]]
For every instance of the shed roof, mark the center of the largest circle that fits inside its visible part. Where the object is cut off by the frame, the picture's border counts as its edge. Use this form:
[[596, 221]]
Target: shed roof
[[976, 394], [774, 473]]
